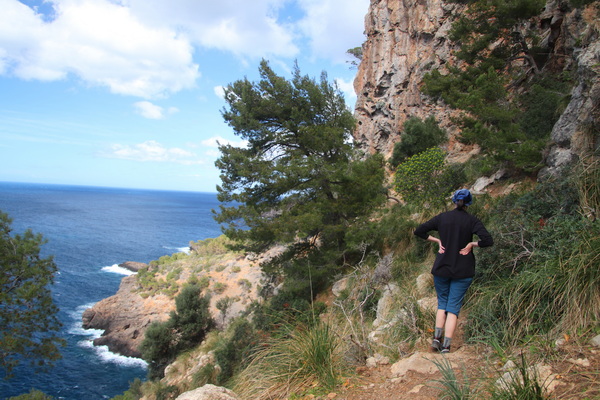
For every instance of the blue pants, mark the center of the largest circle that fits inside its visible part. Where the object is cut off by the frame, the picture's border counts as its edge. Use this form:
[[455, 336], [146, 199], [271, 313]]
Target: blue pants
[[451, 293]]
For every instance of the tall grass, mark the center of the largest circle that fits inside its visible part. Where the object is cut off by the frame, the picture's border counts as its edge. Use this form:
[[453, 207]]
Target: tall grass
[[542, 276], [307, 357]]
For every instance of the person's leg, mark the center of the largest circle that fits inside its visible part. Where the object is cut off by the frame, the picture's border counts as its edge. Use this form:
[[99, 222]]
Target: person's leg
[[442, 288], [456, 295]]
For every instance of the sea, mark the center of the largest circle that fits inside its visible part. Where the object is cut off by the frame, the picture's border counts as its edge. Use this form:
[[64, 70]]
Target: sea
[[89, 232]]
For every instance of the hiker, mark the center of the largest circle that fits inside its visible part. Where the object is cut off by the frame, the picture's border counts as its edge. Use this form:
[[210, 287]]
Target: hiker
[[454, 265]]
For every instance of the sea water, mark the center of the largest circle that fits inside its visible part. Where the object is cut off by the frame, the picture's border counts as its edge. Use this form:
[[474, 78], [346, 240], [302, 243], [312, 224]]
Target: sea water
[[90, 231]]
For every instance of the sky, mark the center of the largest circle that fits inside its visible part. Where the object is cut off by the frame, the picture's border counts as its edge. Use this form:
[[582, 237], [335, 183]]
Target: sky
[[129, 93]]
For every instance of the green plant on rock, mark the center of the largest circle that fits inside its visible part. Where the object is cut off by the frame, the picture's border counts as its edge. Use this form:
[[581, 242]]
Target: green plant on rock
[[185, 328], [512, 129], [425, 178], [417, 137]]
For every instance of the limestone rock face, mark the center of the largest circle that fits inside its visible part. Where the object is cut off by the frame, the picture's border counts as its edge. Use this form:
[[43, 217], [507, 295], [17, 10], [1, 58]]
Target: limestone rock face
[[577, 130], [405, 40], [125, 317]]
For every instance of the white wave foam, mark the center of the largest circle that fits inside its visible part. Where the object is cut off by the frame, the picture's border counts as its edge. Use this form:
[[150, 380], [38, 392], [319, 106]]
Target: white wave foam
[[115, 269], [185, 249], [107, 356], [76, 328]]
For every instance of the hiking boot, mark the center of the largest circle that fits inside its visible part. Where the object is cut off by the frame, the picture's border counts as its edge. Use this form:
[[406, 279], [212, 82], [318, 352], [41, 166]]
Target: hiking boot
[[436, 344], [445, 350]]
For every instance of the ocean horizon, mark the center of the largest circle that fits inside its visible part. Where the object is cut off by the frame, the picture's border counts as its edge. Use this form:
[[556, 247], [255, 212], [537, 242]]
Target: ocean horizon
[[90, 230]]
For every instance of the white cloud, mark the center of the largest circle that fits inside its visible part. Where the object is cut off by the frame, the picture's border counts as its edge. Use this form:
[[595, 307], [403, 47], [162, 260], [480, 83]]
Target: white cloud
[[151, 150], [245, 28], [333, 26], [219, 91], [151, 111], [145, 48], [100, 42], [347, 88]]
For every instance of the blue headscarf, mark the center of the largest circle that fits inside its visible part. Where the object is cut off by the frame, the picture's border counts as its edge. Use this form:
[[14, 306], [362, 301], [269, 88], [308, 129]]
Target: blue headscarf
[[463, 194]]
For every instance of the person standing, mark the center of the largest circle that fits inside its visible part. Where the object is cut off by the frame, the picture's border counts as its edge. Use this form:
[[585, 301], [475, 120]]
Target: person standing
[[454, 265]]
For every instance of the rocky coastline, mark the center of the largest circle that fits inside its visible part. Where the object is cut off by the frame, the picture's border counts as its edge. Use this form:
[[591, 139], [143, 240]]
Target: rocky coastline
[[125, 316]]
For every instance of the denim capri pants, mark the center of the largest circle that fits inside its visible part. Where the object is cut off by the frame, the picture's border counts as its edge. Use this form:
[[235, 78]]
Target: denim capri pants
[[451, 293]]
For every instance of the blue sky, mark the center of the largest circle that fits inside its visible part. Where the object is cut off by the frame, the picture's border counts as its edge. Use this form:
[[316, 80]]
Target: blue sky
[[127, 93]]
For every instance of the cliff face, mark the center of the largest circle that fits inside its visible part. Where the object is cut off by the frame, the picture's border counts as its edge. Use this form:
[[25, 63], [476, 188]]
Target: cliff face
[[405, 40], [125, 317], [408, 38]]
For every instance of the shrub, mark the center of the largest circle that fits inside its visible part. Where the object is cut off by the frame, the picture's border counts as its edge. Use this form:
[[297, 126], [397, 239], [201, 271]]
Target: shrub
[[186, 327], [417, 137], [540, 278], [219, 287], [232, 352], [424, 178], [158, 348]]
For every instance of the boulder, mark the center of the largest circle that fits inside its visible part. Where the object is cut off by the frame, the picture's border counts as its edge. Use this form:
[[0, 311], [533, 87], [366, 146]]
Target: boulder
[[208, 392], [133, 266]]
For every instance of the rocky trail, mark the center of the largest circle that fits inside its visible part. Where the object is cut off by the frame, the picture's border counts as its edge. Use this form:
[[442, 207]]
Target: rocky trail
[[574, 373]]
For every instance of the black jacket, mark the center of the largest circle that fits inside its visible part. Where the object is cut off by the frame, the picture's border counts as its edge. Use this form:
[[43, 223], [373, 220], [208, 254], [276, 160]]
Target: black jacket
[[456, 228]]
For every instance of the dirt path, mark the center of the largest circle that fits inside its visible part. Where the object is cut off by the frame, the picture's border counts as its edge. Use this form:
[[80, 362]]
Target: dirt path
[[575, 375]]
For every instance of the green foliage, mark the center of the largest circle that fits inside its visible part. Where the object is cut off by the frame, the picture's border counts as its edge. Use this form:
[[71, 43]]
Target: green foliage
[[299, 180], [580, 3], [417, 137], [540, 278], [158, 348], [291, 305], [424, 178], [357, 53], [522, 383], [32, 395], [133, 393], [212, 246], [186, 328], [219, 287], [512, 129], [232, 353], [28, 320], [192, 317]]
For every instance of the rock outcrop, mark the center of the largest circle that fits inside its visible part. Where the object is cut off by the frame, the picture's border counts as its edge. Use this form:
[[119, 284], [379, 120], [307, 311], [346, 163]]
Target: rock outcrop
[[133, 266], [405, 40], [408, 38], [578, 129], [125, 316]]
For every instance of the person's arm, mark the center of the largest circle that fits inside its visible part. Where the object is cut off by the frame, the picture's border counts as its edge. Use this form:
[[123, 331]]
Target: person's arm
[[441, 248], [485, 239], [467, 249]]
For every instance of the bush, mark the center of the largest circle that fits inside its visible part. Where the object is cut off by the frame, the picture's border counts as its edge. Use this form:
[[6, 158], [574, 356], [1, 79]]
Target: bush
[[418, 136], [158, 348], [186, 328], [424, 178], [232, 353]]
